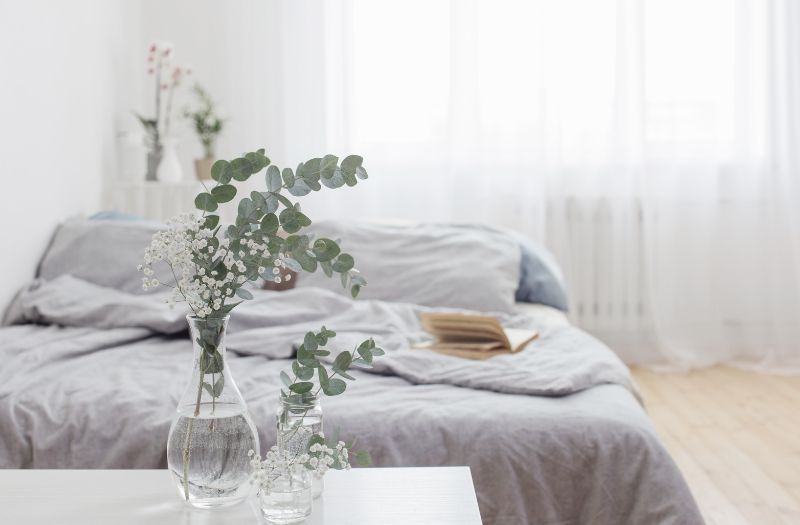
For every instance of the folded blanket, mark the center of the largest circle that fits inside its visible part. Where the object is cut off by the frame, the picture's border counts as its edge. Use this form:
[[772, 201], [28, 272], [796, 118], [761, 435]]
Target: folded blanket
[[563, 360]]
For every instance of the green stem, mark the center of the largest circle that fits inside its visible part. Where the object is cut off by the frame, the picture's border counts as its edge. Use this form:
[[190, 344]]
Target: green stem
[[188, 441]]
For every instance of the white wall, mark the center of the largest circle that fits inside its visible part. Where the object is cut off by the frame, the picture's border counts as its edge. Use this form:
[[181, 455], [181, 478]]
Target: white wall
[[63, 78]]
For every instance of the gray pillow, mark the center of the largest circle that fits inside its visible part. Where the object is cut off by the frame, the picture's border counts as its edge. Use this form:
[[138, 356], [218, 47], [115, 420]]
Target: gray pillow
[[427, 264], [103, 252]]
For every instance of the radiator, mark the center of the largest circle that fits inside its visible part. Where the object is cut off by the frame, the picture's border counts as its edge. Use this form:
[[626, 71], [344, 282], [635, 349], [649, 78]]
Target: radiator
[[599, 244]]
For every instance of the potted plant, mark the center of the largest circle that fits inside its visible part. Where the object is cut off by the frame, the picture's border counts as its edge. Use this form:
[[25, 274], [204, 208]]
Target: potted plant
[[208, 126], [162, 160]]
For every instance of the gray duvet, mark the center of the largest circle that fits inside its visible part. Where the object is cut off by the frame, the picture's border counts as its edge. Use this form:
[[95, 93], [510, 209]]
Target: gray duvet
[[90, 377]]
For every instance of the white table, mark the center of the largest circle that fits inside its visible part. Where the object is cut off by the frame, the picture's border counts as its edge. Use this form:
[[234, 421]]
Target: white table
[[377, 496]]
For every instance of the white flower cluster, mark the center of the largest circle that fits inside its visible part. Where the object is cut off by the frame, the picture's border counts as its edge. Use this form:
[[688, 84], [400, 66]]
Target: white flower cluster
[[190, 250], [281, 463], [323, 458]]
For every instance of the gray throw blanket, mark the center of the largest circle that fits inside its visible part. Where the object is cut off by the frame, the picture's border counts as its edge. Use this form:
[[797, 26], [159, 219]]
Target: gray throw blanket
[[563, 360]]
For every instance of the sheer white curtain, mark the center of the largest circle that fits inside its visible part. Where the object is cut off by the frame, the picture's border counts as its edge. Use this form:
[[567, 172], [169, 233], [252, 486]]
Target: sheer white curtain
[[651, 144]]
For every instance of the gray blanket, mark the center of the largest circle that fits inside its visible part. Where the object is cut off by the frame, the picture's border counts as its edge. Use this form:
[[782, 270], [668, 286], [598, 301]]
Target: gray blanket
[[553, 434]]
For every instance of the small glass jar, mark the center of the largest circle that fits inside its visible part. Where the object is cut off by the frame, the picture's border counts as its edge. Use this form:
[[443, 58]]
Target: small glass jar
[[288, 499], [299, 417]]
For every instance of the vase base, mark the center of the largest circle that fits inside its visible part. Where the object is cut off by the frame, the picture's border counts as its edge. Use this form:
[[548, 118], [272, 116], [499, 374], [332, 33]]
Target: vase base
[[215, 503]]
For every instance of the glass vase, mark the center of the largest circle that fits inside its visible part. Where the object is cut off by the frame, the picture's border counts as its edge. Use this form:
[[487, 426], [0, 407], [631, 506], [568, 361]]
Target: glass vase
[[169, 169], [299, 417], [212, 431], [288, 499], [154, 154]]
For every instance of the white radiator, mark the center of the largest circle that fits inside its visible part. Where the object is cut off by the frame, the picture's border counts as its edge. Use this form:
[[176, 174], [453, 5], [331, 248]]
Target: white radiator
[[600, 247]]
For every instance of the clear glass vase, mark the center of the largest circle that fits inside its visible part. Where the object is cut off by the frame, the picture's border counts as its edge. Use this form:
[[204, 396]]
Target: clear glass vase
[[299, 417], [212, 431], [288, 499]]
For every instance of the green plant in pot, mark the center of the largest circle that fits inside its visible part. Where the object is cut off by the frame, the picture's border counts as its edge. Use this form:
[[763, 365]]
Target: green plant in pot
[[209, 266], [208, 126]]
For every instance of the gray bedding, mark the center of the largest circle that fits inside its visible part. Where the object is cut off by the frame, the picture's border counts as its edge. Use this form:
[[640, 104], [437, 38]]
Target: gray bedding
[[554, 435]]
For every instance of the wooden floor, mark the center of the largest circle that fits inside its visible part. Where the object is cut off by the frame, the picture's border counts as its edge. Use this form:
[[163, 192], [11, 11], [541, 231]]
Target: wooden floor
[[736, 437]]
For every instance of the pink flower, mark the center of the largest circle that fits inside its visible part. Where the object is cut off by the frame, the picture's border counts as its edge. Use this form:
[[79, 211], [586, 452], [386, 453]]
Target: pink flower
[[167, 51], [153, 48], [164, 86]]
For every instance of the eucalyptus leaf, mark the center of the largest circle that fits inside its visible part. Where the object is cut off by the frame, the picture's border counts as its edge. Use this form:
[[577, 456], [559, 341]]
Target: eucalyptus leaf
[[305, 373], [211, 221], [208, 387], [244, 293], [327, 268], [328, 166], [306, 262], [288, 177], [302, 387], [205, 202], [343, 263], [310, 342], [259, 199], [220, 171], [273, 177], [323, 377], [343, 360], [241, 169], [365, 353], [271, 203], [223, 193], [335, 387], [211, 363], [219, 385], [292, 264], [350, 164], [285, 377], [325, 249], [334, 181], [300, 188], [269, 223]]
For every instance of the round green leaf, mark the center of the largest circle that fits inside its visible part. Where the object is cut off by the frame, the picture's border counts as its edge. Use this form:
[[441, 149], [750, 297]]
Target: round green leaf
[[223, 193], [343, 263], [220, 171], [205, 202], [211, 221], [325, 249], [241, 169], [351, 163], [269, 224], [335, 387]]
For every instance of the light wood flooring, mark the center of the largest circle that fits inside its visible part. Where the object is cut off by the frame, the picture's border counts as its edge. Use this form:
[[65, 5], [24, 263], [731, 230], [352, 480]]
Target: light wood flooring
[[735, 436]]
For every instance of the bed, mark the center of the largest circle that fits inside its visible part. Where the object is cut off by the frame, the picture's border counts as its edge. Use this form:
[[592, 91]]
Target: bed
[[92, 370]]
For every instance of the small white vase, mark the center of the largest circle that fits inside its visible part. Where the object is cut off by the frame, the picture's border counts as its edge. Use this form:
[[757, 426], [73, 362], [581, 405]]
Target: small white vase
[[169, 169]]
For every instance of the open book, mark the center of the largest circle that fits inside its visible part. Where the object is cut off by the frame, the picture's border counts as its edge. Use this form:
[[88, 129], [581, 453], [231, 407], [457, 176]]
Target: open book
[[473, 336]]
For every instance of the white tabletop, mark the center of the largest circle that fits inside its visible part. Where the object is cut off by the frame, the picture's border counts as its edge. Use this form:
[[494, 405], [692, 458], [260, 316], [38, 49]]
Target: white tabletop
[[377, 496]]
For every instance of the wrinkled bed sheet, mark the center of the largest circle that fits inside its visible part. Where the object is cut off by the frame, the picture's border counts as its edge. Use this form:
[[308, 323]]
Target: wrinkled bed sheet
[[553, 435]]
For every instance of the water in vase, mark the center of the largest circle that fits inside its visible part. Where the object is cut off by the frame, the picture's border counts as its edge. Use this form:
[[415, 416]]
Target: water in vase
[[215, 443]]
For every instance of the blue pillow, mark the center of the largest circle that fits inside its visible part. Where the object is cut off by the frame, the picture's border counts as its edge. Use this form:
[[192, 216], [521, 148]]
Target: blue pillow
[[540, 278], [113, 215]]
